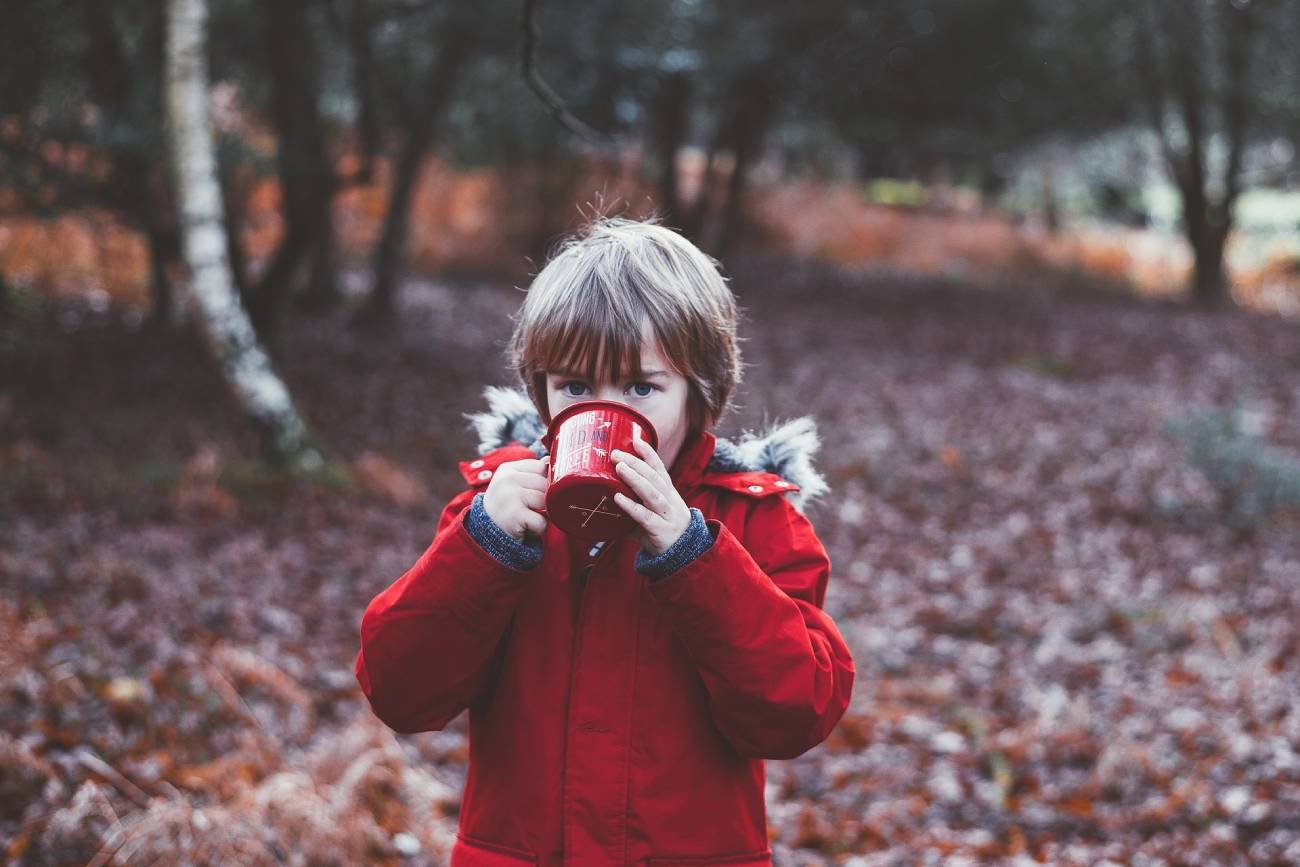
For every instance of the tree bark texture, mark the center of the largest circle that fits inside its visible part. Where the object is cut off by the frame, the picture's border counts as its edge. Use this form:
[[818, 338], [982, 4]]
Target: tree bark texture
[[221, 319], [421, 130]]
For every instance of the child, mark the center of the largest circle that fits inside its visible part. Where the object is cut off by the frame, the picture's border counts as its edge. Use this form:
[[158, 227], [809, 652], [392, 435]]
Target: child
[[622, 696]]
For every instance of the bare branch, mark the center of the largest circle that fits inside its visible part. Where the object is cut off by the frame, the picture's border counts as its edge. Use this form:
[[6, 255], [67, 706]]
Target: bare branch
[[1236, 29], [1189, 86], [1150, 74], [543, 91]]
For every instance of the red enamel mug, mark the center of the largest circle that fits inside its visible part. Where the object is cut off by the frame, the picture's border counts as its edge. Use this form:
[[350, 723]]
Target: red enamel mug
[[580, 438]]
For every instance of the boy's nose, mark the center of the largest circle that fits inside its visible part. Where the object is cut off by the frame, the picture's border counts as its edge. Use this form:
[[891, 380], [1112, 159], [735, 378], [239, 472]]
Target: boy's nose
[[612, 394]]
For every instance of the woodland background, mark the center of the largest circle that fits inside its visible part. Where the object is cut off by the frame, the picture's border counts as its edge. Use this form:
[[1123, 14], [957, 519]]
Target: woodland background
[[1033, 267]]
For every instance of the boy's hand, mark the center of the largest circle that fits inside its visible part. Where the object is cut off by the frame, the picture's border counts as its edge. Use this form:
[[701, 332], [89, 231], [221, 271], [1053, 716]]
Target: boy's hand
[[662, 513], [516, 495]]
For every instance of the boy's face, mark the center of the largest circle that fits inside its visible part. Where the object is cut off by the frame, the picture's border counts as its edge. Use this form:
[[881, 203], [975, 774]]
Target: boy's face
[[660, 395]]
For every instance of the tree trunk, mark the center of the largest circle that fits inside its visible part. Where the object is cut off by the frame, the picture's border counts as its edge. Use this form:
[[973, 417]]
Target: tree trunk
[[221, 319], [1210, 281], [700, 214], [306, 177], [1051, 208], [1208, 240], [1179, 72], [390, 252], [668, 115], [753, 104], [161, 254], [120, 72], [364, 86]]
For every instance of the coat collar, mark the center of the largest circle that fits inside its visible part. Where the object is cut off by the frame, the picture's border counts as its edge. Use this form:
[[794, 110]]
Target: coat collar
[[688, 469], [783, 449]]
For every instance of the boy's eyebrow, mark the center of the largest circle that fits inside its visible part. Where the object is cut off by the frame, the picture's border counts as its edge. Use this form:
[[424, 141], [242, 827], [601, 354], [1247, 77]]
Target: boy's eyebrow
[[647, 374]]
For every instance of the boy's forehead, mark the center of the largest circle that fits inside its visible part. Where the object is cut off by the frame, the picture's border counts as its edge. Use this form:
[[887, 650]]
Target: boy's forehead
[[580, 363], [575, 370], [648, 362], [643, 370]]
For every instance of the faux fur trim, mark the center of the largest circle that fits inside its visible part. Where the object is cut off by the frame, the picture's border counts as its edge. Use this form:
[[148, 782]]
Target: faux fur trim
[[783, 448], [510, 417]]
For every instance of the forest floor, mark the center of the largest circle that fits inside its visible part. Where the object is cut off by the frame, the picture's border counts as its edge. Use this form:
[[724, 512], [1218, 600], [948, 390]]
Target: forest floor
[[1072, 646]]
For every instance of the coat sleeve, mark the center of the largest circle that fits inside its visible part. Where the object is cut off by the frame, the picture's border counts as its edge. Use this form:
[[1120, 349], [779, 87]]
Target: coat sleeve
[[431, 642], [777, 670]]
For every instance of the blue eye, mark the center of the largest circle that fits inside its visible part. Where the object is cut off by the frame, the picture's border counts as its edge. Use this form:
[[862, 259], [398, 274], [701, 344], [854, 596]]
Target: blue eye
[[638, 386], [566, 388]]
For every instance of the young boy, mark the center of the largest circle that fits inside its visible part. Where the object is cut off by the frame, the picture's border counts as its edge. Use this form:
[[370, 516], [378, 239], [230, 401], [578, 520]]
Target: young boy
[[623, 695]]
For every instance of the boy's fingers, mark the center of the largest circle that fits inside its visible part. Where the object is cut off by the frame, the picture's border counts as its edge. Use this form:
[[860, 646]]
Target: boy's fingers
[[535, 523], [639, 469], [635, 463], [651, 456], [623, 459], [635, 510], [533, 482], [654, 475], [651, 496], [526, 468], [640, 446]]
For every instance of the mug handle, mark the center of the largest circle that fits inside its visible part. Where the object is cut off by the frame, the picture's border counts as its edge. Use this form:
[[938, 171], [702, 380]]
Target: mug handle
[[550, 479]]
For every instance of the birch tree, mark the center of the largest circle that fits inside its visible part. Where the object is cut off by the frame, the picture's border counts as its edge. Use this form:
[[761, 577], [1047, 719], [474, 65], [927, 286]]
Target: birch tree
[[222, 320]]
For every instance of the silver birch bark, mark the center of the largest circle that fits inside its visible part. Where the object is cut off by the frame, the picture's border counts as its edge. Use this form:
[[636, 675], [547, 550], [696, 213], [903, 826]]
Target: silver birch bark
[[222, 320]]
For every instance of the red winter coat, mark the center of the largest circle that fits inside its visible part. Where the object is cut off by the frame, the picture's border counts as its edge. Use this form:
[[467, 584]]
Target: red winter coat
[[617, 720]]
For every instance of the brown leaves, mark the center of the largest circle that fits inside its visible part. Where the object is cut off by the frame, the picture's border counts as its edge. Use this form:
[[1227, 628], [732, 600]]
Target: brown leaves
[[198, 492], [23, 777], [950, 457], [1061, 652], [852, 733], [813, 830], [383, 477]]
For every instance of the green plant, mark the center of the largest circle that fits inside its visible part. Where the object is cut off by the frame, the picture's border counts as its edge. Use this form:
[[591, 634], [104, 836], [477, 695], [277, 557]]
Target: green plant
[[1255, 478]]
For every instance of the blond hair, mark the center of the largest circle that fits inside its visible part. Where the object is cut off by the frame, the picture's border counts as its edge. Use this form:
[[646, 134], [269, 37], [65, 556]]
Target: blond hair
[[586, 311]]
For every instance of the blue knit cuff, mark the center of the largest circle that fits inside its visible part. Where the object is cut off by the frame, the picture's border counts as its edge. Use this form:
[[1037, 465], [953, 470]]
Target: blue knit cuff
[[693, 542], [504, 548]]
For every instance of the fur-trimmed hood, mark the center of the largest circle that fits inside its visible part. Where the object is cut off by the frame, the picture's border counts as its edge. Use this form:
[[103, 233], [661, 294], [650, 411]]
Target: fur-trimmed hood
[[784, 448]]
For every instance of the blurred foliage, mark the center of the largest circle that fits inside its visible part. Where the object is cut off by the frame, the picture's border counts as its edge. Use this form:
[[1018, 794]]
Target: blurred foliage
[[888, 191], [900, 83], [1052, 112], [1256, 479]]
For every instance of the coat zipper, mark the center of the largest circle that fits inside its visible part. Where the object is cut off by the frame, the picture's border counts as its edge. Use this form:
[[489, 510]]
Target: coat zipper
[[586, 570], [573, 664]]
